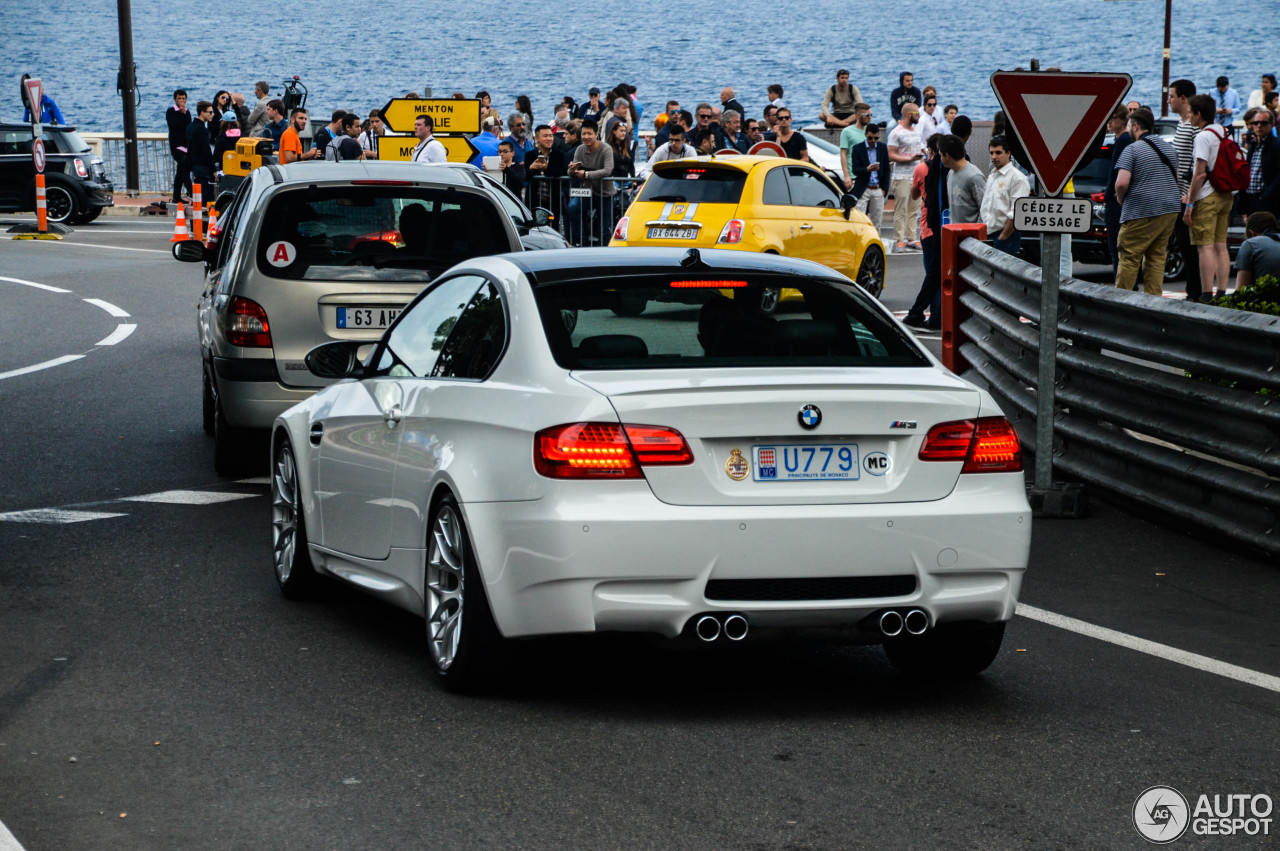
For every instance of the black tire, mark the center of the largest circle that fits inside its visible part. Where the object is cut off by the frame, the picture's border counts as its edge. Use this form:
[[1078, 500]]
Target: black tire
[[86, 216], [1175, 265], [630, 304], [60, 203], [207, 403], [871, 271], [949, 651], [462, 639], [228, 444], [294, 571]]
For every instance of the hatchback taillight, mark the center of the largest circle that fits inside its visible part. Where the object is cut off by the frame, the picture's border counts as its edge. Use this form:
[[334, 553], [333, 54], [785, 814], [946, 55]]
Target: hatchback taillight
[[731, 233], [620, 232], [985, 445], [606, 450], [246, 324], [80, 168]]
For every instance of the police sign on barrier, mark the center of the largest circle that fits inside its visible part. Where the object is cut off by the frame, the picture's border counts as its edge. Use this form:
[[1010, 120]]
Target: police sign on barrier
[[1052, 215], [448, 115]]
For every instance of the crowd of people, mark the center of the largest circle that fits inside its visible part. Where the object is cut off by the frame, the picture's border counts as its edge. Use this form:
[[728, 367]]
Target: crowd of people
[[1156, 190]]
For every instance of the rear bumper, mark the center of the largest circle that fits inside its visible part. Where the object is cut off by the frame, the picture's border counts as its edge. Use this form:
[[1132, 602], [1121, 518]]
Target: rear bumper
[[251, 394], [621, 560]]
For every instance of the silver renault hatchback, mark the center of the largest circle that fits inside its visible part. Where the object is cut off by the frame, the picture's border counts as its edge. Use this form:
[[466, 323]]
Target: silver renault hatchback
[[313, 252]]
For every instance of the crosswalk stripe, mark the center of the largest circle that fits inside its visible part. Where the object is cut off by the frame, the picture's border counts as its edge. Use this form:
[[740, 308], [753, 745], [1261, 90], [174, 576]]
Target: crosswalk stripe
[[189, 497], [56, 515]]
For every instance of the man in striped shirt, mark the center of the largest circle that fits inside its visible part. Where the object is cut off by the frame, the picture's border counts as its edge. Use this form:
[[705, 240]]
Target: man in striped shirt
[[1180, 92], [1148, 191]]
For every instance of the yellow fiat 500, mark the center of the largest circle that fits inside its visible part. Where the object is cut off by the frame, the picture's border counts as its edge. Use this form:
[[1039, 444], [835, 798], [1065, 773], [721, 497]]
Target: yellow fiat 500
[[769, 204]]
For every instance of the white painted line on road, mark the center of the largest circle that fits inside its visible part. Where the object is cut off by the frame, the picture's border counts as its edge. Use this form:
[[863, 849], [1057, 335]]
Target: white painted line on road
[[1151, 648], [108, 307], [34, 284], [112, 247], [121, 332], [189, 497], [56, 515], [39, 366], [7, 840], [257, 480]]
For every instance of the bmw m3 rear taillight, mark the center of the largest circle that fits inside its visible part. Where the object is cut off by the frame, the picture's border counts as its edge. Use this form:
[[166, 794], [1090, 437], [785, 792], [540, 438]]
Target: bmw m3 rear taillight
[[985, 445], [245, 324], [606, 450]]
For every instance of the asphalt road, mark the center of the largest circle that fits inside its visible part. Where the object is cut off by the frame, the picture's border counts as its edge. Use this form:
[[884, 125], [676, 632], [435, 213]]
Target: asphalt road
[[156, 691]]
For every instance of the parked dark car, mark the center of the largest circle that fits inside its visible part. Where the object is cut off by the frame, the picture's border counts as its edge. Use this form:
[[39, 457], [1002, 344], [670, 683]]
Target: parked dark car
[[76, 185], [1091, 182]]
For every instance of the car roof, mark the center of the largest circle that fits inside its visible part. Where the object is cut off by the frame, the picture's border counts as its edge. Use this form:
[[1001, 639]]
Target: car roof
[[567, 264], [305, 172], [48, 128], [741, 162]]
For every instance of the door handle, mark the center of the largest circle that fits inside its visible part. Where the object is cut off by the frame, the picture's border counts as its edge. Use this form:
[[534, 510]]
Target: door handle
[[806, 227], [392, 416], [317, 433]]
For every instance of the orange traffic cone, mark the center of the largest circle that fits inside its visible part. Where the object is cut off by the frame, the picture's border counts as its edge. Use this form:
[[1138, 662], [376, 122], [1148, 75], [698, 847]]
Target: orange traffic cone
[[180, 232], [212, 235]]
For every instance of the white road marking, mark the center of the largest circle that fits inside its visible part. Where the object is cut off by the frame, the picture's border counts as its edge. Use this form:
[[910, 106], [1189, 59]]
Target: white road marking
[[111, 247], [7, 840], [34, 284], [189, 497], [39, 366], [56, 515], [108, 307], [259, 480], [121, 332], [1152, 648]]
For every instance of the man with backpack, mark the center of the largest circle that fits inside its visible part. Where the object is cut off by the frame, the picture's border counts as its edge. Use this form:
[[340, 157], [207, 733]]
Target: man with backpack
[[1147, 189], [1221, 169]]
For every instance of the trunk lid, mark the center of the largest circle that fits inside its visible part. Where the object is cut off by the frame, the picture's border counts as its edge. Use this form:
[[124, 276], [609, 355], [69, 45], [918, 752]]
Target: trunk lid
[[863, 450]]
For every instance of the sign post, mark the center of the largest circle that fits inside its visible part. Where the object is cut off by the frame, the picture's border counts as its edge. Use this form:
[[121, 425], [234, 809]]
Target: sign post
[[33, 91], [1057, 116]]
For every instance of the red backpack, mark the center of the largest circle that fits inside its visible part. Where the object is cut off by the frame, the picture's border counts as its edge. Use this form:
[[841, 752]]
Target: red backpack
[[1230, 172]]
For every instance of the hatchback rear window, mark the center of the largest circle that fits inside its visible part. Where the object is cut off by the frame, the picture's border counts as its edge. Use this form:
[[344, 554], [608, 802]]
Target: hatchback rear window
[[376, 233], [691, 321], [695, 184]]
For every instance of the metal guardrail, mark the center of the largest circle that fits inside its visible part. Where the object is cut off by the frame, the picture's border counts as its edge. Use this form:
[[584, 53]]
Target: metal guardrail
[[580, 214], [1156, 400], [155, 166]]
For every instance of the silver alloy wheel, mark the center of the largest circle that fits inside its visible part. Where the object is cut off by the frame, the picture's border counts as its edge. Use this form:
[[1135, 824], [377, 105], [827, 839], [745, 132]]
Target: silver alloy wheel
[[445, 584], [284, 512], [59, 205]]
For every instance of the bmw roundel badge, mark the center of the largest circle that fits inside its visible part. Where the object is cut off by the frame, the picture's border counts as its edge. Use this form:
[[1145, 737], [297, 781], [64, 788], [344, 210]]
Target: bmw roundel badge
[[810, 417]]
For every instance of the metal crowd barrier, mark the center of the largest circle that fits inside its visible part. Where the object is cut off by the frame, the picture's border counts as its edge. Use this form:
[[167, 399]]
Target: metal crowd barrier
[[155, 166], [1158, 401], [580, 212]]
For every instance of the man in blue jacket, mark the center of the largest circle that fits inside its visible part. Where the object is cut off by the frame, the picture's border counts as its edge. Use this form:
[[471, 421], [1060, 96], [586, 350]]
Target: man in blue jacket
[[49, 112]]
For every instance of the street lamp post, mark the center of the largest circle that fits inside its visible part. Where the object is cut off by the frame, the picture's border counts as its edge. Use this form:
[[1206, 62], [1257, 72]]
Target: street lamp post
[[128, 87]]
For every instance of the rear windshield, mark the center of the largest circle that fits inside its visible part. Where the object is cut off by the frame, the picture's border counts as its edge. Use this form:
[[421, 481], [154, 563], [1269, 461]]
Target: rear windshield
[[704, 321], [71, 142], [376, 233], [695, 184]]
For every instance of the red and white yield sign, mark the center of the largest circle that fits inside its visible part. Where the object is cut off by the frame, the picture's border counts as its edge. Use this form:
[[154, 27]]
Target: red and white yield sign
[[35, 98], [1057, 116]]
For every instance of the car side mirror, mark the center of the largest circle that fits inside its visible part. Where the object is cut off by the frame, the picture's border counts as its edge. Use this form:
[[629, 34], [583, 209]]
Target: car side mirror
[[339, 359], [847, 203], [542, 217], [191, 251]]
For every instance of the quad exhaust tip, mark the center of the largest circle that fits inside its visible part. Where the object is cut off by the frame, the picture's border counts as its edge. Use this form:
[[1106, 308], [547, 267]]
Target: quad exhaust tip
[[735, 627], [891, 623], [707, 628], [916, 621]]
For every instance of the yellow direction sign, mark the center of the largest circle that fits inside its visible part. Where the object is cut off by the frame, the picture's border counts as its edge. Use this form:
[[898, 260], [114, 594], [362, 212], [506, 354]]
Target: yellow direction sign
[[447, 115], [400, 148]]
